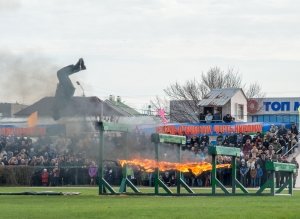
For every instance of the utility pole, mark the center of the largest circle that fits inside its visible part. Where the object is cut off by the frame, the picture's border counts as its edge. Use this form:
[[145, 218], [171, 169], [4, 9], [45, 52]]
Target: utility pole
[[83, 94]]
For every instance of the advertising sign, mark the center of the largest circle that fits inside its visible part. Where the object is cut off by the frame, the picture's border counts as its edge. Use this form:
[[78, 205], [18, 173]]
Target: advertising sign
[[271, 106]]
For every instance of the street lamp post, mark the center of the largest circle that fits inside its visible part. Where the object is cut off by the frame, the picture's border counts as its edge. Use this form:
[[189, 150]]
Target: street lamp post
[[83, 94]]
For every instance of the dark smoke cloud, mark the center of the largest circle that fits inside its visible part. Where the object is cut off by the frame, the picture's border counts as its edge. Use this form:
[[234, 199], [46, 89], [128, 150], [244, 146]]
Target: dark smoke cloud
[[26, 78]]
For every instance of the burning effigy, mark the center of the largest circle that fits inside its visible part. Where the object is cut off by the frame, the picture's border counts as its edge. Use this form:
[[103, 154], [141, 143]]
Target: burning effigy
[[65, 89]]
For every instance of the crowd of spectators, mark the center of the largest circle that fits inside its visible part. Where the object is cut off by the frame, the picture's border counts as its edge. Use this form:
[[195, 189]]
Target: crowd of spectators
[[276, 145], [53, 161], [72, 161], [62, 160]]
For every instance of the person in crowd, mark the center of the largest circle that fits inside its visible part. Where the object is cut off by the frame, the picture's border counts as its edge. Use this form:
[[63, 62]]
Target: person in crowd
[[254, 152], [270, 153], [283, 175], [93, 170], [109, 174], [260, 147], [266, 143], [259, 175], [4, 161], [208, 117], [45, 177], [232, 139], [243, 172], [273, 130], [294, 129], [55, 175], [268, 136], [195, 139], [276, 145], [220, 171], [217, 116], [220, 139], [204, 140], [253, 174], [283, 145], [226, 141], [207, 178], [202, 117], [293, 143], [246, 137], [227, 118], [247, 147], [257, 139], [166, 177], [295, 174], [239, 140], [282, 131], [203, 154]]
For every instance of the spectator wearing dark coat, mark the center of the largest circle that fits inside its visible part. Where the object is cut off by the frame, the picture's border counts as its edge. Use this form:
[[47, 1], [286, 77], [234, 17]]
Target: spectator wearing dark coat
[[282, 131], [204, 140], [246, 137], [227, 118], [294, 129]]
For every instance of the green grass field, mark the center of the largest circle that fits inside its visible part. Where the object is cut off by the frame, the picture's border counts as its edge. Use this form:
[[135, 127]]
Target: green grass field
[[89, 205]]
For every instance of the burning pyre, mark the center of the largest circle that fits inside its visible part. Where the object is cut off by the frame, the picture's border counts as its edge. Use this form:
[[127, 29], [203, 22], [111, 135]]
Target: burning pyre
[[148, 165]]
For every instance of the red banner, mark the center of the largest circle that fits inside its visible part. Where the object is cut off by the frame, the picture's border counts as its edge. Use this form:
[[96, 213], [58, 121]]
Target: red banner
[[209, 129], [35, 131]]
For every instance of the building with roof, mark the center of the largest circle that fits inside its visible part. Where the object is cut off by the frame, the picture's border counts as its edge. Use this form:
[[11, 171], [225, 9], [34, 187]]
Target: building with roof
[[78, 116], [224, 101], [79, 112], [80, 106], [77, 107], [121, 107], [218, 102], [7, 110]]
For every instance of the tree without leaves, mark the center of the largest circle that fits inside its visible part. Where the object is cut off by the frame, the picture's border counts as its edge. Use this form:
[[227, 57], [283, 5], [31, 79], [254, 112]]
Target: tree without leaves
[[159, 103], [188, 95], [190, 91], [254, 91], [215, 78]]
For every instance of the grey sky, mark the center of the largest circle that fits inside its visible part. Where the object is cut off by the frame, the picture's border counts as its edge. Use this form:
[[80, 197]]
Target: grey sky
[[136, 48]]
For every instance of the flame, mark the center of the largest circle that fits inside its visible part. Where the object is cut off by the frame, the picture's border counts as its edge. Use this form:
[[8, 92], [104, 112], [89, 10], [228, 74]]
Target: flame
[[150, 165]]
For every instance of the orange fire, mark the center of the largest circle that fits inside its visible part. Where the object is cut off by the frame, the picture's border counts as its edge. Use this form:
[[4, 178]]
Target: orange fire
[[149, 166]]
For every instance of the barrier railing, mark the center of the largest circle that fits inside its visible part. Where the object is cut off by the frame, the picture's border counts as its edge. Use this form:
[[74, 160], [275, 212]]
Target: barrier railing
[[105, 188], [14, 175]]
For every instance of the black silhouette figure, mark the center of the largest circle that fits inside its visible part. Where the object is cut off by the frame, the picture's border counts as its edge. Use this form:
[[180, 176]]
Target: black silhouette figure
[[65, 89]]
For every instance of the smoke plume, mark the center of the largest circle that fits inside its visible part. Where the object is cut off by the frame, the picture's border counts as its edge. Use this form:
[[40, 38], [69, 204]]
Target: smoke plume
[[26, 78]]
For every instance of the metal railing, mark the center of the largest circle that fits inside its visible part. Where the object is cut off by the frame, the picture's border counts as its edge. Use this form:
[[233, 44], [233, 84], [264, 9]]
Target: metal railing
[[280, 149], [291, 149], [212, 121], [31, 175]]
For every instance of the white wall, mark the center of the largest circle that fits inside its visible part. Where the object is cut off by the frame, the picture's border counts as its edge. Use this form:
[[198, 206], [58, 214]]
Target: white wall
[[239, 98], [226, 109]]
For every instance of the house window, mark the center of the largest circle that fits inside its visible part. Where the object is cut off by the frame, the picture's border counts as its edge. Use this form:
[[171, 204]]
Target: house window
[[240, 111]]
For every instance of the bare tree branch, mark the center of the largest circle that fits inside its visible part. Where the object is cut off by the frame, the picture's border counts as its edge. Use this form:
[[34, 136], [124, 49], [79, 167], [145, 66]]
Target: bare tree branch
[[255, 91], [185, 97]]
